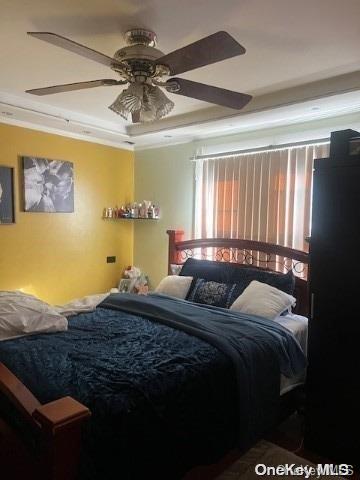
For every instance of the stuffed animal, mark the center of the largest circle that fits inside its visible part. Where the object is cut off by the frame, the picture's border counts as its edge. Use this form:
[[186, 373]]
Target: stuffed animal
[[138, 281]]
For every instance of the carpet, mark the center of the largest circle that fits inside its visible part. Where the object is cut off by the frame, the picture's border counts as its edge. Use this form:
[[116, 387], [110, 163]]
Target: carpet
[[265, 454]]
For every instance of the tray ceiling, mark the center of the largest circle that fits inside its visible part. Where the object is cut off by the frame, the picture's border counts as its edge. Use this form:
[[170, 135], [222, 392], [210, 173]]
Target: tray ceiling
[[289, 44]]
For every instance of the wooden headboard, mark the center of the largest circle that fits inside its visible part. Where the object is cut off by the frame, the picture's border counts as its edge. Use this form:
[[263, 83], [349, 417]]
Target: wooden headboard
[[261, 255]]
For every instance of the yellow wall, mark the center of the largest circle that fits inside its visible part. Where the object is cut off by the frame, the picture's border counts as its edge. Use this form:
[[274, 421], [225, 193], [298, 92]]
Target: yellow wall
[[60, 256]]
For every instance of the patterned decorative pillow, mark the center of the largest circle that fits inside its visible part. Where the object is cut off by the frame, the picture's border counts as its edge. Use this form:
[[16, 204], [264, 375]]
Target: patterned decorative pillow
[[212, 293]]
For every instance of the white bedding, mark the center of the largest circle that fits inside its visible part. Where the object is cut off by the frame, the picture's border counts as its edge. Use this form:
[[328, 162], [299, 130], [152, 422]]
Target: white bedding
[[23, 314], [81, 305], [298, 325]]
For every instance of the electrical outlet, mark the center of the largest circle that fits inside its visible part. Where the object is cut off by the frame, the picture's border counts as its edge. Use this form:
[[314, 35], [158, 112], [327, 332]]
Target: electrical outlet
[[110, 259]]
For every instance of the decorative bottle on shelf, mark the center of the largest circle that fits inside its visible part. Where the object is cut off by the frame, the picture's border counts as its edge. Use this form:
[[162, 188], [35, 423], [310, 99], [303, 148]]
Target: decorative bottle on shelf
[[127, 211], [136, 210], [147, 205], [151, 211], [156, 211], [142, 210]]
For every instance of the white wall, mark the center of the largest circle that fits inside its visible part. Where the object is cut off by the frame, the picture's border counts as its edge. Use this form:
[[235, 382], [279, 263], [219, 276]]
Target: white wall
[[166, 177]]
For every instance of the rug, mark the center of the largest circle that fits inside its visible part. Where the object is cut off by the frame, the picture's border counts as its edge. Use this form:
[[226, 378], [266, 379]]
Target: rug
[[255, 464]]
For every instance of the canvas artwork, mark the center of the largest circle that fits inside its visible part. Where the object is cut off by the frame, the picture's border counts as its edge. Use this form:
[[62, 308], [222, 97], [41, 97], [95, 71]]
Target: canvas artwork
[[48, 185], [7, 215]]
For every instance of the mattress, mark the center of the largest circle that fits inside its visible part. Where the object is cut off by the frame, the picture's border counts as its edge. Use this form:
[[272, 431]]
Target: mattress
[[298, 326]]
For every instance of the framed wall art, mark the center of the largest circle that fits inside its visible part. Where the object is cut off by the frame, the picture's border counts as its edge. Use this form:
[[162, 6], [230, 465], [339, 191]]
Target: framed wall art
[[7, 211], [48, 185]]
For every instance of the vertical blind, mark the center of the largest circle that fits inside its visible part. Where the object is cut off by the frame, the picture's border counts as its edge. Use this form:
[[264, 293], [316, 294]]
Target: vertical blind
[[264, 196]]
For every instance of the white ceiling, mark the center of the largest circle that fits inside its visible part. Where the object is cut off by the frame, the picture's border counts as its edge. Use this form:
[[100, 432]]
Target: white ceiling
[[289, 44]]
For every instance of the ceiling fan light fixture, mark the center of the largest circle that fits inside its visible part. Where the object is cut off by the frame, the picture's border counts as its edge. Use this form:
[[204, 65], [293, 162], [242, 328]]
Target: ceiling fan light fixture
[[156, 102], [148, 100], [143, 66], [129, 101]]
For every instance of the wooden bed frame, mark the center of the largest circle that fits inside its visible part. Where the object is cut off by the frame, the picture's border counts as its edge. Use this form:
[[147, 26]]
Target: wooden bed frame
[[260, 255], [57, 425], [245, 253]]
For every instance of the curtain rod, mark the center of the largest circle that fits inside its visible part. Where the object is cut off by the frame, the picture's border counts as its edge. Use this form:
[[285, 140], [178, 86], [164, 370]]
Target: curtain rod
[[282, 146]]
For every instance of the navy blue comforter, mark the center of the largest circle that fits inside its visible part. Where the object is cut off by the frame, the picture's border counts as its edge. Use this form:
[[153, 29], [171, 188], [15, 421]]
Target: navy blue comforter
[[170, 384]]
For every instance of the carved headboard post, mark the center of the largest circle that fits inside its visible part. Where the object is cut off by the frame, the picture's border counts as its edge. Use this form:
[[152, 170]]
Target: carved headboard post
[[175, 236]]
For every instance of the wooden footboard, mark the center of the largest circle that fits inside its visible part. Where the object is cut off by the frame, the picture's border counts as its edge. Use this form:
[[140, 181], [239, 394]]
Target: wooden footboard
[[56, 426]]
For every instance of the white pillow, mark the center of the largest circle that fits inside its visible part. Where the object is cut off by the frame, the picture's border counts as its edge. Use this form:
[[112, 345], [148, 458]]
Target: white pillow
[[263, 300], [23, 314], [174, 286]]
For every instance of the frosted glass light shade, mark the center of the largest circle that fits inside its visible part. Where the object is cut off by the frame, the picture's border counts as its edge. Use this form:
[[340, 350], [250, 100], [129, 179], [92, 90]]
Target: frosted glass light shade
[[150, 100]]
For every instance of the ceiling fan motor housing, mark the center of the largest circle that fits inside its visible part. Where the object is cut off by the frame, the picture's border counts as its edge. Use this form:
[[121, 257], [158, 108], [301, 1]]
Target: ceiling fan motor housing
[[138, 58], [137, 52]]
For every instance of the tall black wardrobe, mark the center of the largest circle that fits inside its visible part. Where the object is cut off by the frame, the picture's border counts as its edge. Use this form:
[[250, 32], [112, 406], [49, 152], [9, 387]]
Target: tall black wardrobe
[[333, 380]]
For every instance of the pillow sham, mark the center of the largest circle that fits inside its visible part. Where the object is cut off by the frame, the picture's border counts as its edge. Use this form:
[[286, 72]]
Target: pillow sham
[[174, 286], [212, 293], [207, 269], [23, 314], [225, 272], [263, 300]]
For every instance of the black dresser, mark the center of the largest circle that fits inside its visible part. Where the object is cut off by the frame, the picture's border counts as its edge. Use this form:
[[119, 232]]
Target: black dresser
[[332, 426]]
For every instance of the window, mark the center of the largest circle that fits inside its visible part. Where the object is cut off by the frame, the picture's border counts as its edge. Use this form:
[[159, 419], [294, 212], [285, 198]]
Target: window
[[264, 196]]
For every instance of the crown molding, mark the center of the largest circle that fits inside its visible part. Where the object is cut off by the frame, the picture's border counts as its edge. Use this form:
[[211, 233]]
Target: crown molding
[[62, 133], [16, 111], [160, 144]]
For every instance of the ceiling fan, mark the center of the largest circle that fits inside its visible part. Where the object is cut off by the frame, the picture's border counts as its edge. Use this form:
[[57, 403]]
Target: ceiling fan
[[143, 67]]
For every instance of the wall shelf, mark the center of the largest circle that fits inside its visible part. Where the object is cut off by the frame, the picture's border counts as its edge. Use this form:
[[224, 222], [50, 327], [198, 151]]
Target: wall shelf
[[133, 211], [130, 218]]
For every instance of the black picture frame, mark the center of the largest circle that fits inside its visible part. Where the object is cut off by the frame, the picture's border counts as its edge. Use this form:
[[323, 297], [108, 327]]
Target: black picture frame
[[48, 185], [7, 204]]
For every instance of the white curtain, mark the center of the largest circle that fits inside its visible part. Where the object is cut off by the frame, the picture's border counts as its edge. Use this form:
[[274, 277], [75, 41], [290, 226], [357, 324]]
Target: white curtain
[[264, 196]]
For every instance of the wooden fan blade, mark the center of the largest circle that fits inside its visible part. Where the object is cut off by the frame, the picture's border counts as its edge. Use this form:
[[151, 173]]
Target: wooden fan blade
[[135, 117], [211, 49], [74, 47], [68, 87], [208, 93]]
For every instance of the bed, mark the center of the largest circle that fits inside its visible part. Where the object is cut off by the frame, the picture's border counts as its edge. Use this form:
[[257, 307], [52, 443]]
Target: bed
[[169, 384], [260, 256]]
